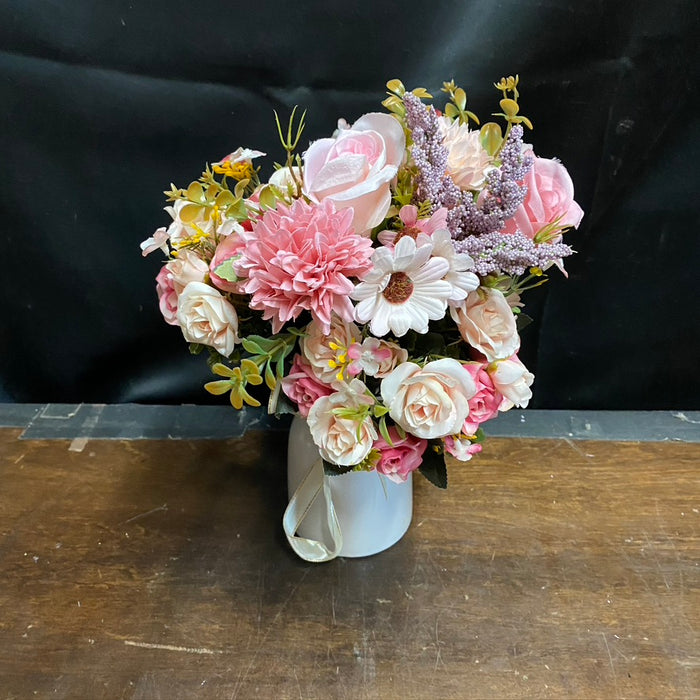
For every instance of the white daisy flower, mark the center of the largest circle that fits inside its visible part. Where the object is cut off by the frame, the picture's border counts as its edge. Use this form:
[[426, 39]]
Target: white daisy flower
[[459, 277], [405, 290]]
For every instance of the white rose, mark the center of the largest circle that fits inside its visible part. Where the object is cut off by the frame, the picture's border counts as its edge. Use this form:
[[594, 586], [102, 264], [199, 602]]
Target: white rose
[[342, 441], [207, 318], [511, 379], [467, 160], [187, 267], [431, 401], [486, 321]]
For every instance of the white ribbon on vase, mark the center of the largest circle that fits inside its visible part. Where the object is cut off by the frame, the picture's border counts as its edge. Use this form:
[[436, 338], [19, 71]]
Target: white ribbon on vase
[[312, 485]]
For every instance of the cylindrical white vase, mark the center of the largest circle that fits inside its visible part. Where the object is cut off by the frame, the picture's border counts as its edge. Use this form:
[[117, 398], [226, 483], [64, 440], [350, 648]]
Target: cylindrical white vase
[[373, 512]]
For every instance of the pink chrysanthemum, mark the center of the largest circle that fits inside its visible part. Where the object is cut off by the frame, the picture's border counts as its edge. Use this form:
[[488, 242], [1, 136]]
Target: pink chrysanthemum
[[301, 258]]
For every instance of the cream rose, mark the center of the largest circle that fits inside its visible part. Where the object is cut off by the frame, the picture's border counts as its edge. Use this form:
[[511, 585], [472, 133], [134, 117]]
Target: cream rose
[[207, 318], [342, 440], [315, 347], [511, 379], [467, 160], [431, 401], [354, 169], [187, 267], [486, 321]]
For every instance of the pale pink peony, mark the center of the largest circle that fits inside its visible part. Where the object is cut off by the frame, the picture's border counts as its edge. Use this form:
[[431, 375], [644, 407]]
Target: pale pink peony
[[483, 406], [301, 258], [354, 169], [303, 387], [167, 296], [550, 196], [397, 461], [461, 448], [468, 162]]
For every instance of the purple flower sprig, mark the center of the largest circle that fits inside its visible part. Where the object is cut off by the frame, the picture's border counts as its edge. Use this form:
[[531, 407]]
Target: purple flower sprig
[[466, 217], [510, 254]]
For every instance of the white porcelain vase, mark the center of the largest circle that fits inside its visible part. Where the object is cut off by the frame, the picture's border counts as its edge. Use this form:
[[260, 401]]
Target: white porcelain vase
[[353, 515]]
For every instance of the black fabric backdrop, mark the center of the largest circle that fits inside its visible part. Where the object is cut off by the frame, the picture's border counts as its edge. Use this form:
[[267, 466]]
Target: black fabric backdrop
[[102, 105]]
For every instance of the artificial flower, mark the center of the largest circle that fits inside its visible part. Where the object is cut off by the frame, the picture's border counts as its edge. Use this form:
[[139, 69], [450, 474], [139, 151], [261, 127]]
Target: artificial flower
[[467, 160], [206, 317], [549, 200], [430, 401], [405, 290], [486, 321], [302, 258], [400, 457], [302, 386], [341, 426], [355, 168], [512, 380]]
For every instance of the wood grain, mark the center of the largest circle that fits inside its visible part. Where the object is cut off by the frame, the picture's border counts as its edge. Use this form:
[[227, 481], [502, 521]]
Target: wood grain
[[158, 569]]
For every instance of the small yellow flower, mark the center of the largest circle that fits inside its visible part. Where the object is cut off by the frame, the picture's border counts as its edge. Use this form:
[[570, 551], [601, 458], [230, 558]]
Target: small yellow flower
[[242, 170]]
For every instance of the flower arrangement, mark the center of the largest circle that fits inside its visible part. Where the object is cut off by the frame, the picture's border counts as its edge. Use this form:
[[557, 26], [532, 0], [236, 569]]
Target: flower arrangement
[[373, 283]]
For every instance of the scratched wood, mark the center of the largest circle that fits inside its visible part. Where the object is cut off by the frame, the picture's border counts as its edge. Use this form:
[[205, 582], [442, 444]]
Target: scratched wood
[[153, 569]]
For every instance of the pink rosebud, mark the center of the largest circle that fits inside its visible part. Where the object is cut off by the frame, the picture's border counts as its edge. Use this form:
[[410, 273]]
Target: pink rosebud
[[303, 387], [483, 406], [397, 461]]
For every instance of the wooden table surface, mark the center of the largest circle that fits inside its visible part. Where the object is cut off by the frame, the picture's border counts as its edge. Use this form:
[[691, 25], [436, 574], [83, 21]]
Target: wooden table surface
[[159, 569]]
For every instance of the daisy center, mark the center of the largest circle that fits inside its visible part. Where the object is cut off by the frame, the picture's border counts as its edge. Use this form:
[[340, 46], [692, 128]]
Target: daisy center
[[399, 288]]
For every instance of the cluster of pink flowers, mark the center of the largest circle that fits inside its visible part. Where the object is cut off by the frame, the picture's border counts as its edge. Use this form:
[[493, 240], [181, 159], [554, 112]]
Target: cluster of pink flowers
[[338, 284]]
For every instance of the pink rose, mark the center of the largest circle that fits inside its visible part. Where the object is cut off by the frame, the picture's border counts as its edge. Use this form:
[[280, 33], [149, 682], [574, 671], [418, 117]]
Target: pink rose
[[405, 456], [511, 379], [229, 247], [460, 448], [550, 196], [167, 296], [354, 169], [483, 406], [302, 386]]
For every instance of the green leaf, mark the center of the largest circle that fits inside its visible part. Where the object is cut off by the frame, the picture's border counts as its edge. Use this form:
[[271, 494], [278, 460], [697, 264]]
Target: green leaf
[[226, 271], [196, 348], [460, 98], [491, 137], [433, 468], [252, 347]]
